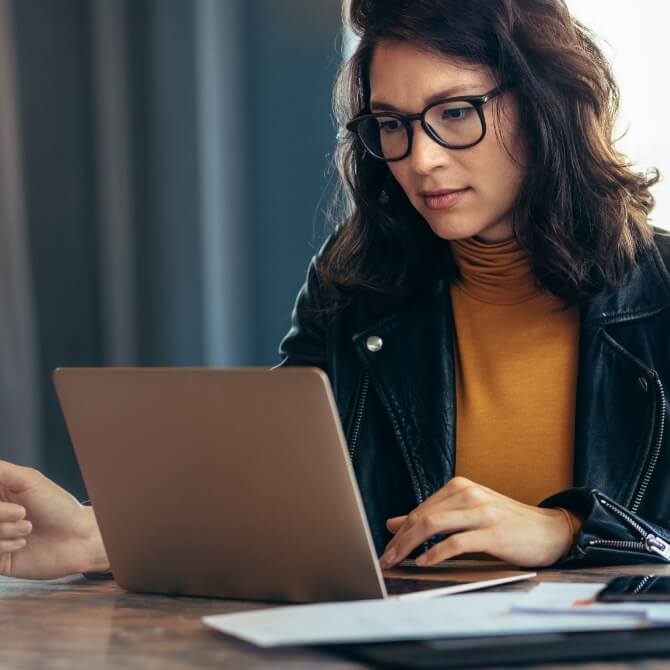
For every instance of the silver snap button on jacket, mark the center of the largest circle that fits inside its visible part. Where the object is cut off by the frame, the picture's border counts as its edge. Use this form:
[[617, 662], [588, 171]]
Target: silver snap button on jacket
[[374, 343]]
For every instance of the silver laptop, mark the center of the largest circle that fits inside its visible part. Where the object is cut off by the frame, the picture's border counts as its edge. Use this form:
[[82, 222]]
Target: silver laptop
[[228, 483]]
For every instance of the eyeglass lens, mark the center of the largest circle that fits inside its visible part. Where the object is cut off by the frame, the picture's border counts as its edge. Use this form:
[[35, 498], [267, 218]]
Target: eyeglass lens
[[456, 123]]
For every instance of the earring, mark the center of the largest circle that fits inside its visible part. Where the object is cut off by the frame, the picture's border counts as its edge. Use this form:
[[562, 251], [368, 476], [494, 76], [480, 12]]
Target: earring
[[384, 196]]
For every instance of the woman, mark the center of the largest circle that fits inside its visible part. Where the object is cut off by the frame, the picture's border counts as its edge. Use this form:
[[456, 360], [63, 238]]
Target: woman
[[492, 312]]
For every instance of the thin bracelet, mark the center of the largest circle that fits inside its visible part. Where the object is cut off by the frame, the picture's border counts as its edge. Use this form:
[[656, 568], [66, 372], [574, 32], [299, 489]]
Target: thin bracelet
[[568, 517]]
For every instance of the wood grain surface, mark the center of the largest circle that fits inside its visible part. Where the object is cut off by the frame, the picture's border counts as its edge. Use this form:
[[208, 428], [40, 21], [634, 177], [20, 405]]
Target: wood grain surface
[[75, 624]]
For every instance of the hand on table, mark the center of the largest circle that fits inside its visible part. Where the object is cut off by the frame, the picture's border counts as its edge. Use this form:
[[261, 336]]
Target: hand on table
[[44, 532], [479, 519]]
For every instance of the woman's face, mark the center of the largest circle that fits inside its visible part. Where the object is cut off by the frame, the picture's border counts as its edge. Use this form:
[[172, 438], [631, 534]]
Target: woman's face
[[485, 176]]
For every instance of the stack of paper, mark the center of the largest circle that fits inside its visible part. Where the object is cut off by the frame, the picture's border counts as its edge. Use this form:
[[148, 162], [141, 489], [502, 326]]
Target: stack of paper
[[554, 598], [384, 620]]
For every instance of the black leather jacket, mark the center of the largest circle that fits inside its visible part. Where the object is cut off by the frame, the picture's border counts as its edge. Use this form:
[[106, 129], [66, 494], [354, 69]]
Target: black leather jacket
[[393, 380]]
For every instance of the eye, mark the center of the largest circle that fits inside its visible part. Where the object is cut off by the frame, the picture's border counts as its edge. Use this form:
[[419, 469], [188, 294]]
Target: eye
[[388, 126], [456, 113]]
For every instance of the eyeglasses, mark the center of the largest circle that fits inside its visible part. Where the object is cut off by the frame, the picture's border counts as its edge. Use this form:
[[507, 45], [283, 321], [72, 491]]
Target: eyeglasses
[[454, 123]]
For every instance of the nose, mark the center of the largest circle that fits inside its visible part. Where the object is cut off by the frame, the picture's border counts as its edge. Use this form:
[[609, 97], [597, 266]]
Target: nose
[[426, 153]]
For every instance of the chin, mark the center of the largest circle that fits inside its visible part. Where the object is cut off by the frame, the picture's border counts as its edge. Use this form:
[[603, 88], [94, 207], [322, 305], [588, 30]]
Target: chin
[[457, 226], [454, 229]]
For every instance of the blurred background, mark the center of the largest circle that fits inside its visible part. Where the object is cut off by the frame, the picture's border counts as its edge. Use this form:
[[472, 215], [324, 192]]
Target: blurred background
[[164, 170], [163, 176]]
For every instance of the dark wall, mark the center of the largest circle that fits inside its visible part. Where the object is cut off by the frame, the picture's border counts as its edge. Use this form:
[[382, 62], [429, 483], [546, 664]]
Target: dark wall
[[290, 59], [165, 181], [55, 102], [294, 60]]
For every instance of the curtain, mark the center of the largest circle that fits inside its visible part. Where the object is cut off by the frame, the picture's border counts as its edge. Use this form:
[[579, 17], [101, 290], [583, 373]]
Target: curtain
[[19, 396]]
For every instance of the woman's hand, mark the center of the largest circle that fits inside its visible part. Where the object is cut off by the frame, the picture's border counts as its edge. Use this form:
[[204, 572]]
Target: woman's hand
[[478, 519], [44, 532]]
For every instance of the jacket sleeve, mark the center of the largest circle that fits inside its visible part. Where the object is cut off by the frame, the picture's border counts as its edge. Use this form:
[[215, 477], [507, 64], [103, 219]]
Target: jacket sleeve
[[306, 342], [610, 534]]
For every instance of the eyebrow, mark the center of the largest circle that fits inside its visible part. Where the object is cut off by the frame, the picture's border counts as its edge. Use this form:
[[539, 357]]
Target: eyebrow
[[447, 93]]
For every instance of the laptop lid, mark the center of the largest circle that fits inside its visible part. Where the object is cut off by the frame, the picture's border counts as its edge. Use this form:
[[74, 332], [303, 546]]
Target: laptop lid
[[233, 483]]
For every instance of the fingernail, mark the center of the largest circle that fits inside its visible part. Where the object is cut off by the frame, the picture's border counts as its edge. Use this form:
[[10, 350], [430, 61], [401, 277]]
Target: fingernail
[[387, 558], [21, 542], [420, 560]]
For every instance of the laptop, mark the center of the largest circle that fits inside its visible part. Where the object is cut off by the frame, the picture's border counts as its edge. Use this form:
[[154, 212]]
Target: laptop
[[232, 483]]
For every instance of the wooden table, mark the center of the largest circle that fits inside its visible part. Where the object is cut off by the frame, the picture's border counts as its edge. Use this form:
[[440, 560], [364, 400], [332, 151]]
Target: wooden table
[[73, 623]]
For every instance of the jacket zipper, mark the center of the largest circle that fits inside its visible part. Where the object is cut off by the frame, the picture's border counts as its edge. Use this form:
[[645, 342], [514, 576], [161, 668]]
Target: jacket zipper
[[653, 459], [636, 500], [642, 584], [355, 433], [358, 416], [650, 542]]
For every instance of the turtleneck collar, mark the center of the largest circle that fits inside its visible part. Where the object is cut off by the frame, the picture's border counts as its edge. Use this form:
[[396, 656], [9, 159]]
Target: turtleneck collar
[[497, 273]]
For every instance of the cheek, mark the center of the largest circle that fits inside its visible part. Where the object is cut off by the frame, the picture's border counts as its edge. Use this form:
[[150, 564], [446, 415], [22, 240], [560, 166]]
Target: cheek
[[496, 174]]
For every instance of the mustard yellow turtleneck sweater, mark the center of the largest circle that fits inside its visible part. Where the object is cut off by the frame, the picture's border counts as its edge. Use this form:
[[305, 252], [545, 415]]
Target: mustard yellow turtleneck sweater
[[516, 374]]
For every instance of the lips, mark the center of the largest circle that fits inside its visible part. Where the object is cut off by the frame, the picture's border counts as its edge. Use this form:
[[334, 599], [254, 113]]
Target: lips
[[443, 198], [442, 191]]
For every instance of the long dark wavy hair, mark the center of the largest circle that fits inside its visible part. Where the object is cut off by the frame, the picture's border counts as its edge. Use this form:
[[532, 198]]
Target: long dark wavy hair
[[581, 212]]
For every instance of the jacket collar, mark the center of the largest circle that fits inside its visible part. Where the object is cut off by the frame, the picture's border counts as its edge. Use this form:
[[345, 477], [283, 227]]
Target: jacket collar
[[646, 291]]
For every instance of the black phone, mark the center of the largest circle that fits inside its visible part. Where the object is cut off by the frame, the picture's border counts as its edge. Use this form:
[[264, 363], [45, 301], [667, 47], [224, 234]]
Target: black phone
[[640, 588]]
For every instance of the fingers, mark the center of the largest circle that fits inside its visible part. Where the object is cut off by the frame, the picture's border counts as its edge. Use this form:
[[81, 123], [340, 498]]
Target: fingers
[[461, 543], [394, 523], [14, 530], [453, 487], [420, 526], [8, 546], [11, 512], [430, 517]]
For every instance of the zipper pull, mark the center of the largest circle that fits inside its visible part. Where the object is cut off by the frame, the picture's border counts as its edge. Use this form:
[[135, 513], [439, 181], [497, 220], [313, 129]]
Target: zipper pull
[[657, 546]]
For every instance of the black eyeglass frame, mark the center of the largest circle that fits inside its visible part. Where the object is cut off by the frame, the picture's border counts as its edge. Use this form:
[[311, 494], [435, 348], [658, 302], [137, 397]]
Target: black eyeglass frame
[[477, 101]]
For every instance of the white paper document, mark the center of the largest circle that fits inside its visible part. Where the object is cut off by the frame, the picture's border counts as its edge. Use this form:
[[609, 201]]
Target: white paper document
[[579, 598], [383, 620]]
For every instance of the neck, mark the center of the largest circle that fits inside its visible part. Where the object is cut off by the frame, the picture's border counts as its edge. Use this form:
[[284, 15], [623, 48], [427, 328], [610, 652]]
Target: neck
[[492, 240], [494, 272], [501, 231]]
